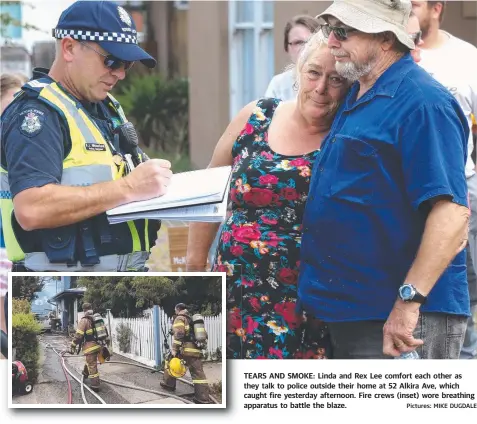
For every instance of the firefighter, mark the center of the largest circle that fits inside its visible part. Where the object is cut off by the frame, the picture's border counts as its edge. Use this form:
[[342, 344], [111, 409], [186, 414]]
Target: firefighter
[[185, 348], [85, 336]]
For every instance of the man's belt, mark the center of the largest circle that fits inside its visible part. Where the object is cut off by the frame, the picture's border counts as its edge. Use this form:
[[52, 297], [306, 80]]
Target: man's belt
[[38, 262]]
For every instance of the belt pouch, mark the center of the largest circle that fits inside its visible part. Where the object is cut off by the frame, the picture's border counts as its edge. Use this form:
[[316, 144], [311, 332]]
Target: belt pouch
[[59, 243], [88, 253]]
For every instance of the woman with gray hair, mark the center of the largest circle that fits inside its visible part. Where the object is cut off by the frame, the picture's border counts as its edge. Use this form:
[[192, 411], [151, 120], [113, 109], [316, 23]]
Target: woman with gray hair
[[272, 146]]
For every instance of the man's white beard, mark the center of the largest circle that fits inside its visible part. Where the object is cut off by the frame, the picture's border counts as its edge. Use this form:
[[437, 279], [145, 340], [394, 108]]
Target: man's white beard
[[353, 72]]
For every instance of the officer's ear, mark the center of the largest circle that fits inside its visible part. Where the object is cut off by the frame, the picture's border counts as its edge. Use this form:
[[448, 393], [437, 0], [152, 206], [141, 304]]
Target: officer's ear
[[68, 48]]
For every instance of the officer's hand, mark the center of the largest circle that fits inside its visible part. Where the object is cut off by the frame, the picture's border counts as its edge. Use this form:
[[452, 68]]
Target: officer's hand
[[174, 354], [149, 179]]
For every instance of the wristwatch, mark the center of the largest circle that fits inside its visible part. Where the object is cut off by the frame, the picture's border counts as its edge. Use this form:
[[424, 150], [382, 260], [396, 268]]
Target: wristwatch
[[408, 293]]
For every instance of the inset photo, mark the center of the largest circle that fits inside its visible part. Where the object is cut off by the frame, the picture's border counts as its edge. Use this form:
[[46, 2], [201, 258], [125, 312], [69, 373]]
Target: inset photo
[[147, 340]]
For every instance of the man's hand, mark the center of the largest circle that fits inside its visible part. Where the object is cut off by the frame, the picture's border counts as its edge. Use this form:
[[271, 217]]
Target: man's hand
[[398, 329], [173, 354], [72, 349], [149, 179]]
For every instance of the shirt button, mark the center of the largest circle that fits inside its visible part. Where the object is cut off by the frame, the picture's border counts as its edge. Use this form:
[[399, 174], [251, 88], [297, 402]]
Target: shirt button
[[312, 197], [334, 139], [321, 169]]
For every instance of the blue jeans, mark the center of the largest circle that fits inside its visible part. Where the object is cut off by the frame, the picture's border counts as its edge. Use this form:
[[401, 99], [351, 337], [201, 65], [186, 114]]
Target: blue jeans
[[442, 334], [469, 349]]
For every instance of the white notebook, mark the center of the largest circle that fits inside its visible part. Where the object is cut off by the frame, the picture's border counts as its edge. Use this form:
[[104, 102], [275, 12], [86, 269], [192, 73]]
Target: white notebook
[[197, 196]]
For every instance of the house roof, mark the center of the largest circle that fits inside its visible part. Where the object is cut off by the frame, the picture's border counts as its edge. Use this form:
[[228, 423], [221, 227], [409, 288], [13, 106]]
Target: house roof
[[77, 292]]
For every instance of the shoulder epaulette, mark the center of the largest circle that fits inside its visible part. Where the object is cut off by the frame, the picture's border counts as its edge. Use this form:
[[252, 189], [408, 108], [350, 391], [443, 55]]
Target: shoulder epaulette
[[36, 85]]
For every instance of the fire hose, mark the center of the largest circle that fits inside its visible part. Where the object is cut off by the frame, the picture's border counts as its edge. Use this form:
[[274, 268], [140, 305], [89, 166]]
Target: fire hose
[[74, 377], [183, 380], [63, 354], [70, 393]]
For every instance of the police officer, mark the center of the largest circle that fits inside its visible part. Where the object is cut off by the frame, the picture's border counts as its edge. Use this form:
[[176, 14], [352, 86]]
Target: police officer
[[68, 153], [85, 337], [183, 346]]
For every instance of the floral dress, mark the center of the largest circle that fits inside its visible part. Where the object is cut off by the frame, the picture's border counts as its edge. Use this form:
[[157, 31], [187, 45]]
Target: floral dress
[[259, 246]]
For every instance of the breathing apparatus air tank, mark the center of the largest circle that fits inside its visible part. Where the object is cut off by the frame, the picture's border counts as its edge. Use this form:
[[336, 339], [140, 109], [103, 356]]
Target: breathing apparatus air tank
[[200, 334], [100, 327]]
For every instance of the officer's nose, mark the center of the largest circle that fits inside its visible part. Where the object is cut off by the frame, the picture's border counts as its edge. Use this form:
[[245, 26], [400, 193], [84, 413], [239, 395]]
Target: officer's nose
[[120, 73]]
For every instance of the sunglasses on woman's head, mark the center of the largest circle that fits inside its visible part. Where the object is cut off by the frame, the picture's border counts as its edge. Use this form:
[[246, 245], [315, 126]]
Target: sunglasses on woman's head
[[340, 33], [110, 61]]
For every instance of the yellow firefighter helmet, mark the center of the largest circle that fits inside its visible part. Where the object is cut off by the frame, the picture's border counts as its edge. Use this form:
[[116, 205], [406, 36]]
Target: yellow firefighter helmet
[[104, 355], [177, 368]]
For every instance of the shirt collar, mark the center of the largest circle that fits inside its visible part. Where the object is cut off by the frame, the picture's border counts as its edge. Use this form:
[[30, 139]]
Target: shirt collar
[[43, 73], [387, 84]]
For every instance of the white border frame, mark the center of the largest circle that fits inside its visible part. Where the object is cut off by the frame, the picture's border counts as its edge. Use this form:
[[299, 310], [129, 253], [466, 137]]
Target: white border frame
[[222, 405]]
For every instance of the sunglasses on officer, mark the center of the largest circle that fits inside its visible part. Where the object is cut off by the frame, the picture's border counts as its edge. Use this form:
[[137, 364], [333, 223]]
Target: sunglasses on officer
[[340, 33], [110, 61]]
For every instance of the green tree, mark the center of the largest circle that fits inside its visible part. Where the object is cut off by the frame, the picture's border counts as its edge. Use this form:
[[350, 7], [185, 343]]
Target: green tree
[[129, 296], [26, 287]]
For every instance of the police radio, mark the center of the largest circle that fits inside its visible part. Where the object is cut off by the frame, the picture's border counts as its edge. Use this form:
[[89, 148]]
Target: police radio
[[128, 142]]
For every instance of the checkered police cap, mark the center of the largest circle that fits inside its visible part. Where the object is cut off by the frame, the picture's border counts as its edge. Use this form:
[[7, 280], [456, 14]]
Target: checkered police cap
[[105, 23], [117, 37]]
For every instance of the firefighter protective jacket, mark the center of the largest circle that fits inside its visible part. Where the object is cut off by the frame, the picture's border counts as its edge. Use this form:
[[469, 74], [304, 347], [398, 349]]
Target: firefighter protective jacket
[[85, 334], [182, 336]]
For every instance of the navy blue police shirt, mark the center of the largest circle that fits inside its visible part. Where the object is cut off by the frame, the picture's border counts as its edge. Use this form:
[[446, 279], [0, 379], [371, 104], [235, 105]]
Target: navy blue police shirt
[[390, 152], [35, 139]]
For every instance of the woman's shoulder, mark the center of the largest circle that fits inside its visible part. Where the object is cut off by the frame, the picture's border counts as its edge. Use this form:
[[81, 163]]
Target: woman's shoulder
[[266, 106]]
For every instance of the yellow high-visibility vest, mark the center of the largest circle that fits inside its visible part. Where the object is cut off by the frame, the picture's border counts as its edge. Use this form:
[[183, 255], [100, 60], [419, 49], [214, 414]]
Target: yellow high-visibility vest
[[81, 167]]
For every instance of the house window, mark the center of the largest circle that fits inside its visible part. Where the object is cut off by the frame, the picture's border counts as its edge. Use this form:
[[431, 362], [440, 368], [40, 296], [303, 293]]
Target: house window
[[251, 57]]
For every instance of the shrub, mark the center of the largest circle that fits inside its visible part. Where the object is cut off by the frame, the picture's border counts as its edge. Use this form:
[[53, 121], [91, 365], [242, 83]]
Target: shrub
[[218, 354], [24, 339], [124, 337], [21, 306], [159, 109]]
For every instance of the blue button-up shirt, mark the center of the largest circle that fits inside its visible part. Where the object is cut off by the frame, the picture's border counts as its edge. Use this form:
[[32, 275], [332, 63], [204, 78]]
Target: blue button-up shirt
[[388, 153]]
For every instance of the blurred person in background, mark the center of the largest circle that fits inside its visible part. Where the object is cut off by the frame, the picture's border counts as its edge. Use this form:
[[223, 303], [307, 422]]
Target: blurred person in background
[[10, 84], [272, 146], [297, 31], [453, 62], [414, 31]]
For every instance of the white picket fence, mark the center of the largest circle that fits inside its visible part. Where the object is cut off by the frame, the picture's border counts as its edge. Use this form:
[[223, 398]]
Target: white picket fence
[[142, 341], [213, 326], [142, 337]]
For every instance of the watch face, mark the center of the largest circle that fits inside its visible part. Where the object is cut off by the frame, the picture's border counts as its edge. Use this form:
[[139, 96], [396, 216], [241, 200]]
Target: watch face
[[406, 292]]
